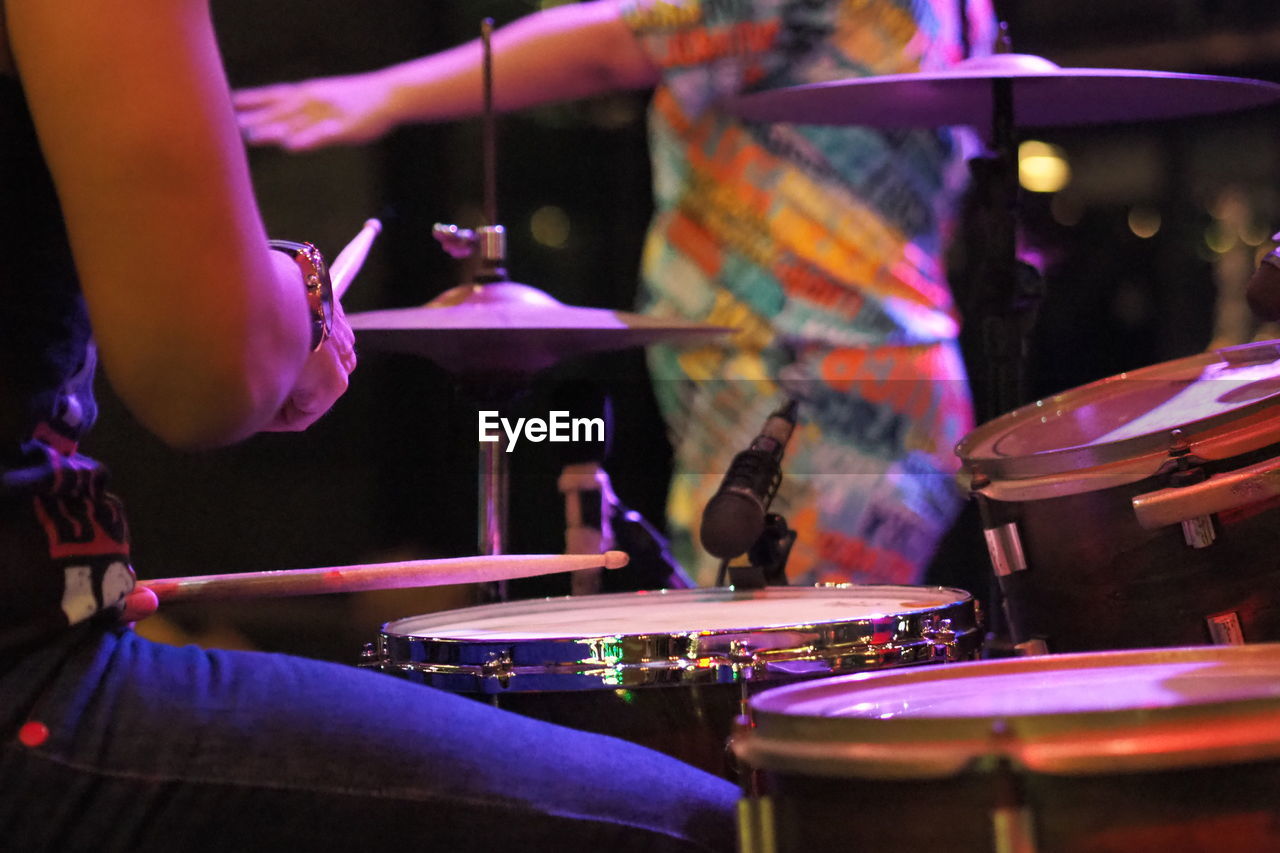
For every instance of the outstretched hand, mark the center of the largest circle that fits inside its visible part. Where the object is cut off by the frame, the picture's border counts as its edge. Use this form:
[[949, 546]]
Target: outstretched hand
[[313, 113]]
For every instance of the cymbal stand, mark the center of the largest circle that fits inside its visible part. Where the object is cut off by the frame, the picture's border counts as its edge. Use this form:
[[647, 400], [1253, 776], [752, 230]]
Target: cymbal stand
[[1007, 292], [489, 243], [494, 481]]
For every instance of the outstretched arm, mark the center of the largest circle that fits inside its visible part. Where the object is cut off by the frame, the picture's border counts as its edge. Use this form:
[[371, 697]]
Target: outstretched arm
[[566, 52]]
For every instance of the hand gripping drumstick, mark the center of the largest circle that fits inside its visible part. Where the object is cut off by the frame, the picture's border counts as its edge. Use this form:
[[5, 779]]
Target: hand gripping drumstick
[[344, 267], [412, 573]]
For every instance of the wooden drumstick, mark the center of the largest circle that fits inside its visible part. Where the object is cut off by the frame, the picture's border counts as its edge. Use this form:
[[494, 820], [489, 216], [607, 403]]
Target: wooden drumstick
[[349, 261], [412, 573]]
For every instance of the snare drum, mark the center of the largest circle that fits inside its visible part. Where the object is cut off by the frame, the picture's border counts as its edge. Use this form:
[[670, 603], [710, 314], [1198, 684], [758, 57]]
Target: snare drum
[[1124, 752], [669, 669], [1142, 510]]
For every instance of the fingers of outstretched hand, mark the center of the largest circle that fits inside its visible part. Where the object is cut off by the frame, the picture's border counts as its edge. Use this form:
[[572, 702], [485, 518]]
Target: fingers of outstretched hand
[[261, 96], [274, 115], [313, 113], [311, 136]]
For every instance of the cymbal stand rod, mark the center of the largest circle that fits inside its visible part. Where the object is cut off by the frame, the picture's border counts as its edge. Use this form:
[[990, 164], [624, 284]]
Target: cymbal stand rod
[[489, 141], [494, 487], [1007, 313], [494, 491], [1011, 290]]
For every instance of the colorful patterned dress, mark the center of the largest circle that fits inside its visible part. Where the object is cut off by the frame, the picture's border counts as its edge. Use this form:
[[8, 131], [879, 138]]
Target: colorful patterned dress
[[821, 246]]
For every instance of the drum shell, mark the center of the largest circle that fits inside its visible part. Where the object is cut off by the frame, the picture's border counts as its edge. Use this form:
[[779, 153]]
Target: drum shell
[[679, 692], [1095, 579], [1142, 751], [1208, 809], [692, 722]]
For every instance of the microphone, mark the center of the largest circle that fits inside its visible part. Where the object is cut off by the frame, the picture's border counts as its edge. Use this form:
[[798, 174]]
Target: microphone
[[734, 517], [1263, 293]]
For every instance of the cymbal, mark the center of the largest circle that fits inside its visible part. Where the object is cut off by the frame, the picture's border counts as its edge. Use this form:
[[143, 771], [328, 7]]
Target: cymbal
[[506, 328], [1044, 95]]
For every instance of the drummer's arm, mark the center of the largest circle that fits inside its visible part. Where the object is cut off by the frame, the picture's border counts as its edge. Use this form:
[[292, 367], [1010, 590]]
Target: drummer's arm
[[203, 331], [566, 52]]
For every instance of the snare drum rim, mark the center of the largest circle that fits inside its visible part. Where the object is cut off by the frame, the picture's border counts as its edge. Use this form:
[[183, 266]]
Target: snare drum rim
[[1094, 467], [1069, 744], [949, 631]]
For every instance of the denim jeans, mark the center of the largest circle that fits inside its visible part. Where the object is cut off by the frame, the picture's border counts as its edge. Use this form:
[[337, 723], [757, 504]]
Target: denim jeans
[[152, 747]]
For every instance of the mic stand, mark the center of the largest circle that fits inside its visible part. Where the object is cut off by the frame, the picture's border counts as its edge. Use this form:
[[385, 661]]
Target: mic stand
[[767, 558]]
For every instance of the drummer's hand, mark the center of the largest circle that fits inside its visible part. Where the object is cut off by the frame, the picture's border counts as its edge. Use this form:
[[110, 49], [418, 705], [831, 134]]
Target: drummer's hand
[[313, 113], [322, 381], [139, 604]]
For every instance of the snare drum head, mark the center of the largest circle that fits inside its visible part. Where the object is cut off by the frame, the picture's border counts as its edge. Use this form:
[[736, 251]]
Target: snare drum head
[[1070, 714], [1134, 414], [683, 635]]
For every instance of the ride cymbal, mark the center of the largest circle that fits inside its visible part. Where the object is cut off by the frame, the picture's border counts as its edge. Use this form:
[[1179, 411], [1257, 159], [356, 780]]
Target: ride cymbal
[[1044, 95]]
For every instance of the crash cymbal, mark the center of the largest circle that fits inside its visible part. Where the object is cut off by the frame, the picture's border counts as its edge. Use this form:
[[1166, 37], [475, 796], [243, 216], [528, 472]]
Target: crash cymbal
[[1044, 95], [507, 328]]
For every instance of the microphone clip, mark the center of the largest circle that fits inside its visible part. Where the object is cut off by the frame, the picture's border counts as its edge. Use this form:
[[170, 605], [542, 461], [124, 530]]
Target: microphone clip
[[767, 557]]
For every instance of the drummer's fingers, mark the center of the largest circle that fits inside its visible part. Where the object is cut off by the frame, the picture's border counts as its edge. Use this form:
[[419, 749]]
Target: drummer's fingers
[[293, 109], [264, 115], [261, 96], [343, 339], [266, 133], [311, 136], [139, 604], [294, 130]]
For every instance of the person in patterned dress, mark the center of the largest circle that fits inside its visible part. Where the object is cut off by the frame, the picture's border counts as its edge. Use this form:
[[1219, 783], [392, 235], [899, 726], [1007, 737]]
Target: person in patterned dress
[[820, 245]]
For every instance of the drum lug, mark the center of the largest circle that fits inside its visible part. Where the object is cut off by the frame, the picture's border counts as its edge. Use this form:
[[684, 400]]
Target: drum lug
[[1005, 547], [370, 657], [742, 657], [942, 635], [498, 665], [1225, 629], [1197, 532]]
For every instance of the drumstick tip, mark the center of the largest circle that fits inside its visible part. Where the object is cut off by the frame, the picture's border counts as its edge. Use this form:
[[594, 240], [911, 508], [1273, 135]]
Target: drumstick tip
[[616, 559]]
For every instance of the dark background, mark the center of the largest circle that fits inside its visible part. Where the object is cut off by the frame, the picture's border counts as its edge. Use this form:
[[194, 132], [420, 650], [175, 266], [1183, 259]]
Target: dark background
[[392, 470]]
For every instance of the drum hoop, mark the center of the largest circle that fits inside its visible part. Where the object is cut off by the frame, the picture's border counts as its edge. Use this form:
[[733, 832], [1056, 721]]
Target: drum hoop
[[945, 632], [1257, 432], [1248, 731], [1247, 427], [1067, 743]]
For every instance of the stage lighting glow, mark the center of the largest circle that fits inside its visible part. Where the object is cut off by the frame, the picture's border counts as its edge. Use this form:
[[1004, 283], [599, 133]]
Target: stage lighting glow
[[1144, 222], [1042, 168], [549, 225], [1219, 238], [1255, 235]]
